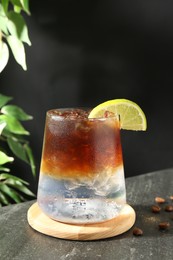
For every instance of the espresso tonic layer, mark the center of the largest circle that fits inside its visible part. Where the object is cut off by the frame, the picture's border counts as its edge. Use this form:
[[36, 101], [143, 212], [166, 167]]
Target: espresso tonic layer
[[77, 147]]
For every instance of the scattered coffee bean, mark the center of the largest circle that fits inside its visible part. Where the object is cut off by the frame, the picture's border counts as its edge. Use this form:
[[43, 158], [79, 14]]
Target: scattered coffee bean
[[169, 208], [137, 231], [171, 197], [164, 225], [155, 209], [159, 200]]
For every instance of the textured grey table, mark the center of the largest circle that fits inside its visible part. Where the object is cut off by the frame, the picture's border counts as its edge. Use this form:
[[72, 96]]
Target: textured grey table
[[19, 241]]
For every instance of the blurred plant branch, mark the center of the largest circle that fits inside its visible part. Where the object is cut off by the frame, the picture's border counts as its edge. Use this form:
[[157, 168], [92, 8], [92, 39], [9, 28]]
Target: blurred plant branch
[[13, 35], [13, 31]]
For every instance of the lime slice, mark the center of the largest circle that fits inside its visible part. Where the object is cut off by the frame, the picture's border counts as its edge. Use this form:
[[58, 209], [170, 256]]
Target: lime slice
[[131, 115]]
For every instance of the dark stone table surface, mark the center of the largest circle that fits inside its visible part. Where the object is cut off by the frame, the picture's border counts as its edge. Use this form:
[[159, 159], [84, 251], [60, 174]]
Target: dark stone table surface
[[19, 241]]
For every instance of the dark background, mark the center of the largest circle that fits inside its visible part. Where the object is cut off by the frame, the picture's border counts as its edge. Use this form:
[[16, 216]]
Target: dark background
[[87, 52]]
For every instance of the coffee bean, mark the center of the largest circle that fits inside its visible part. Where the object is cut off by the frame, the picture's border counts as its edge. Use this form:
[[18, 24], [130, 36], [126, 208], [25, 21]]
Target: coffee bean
[[164, 225], [155, 209], [169, 208], [171, 197], [137, 231], [159, 200]]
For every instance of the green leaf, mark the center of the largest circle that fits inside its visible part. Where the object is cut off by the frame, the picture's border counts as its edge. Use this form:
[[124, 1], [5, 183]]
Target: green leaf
[[16, 2], [17, 27], [2, 126], [19, 138], [4, 100], [18, 50], [17, 9], [14, 195], [13, 125], [24, 4], [31, 159], [4, 55], [3, 21], [19, 186], [18, 149], [5, 158], [4, 176], [16, 183], [16, 112], [5, 4], [4, 169], [4, 199]]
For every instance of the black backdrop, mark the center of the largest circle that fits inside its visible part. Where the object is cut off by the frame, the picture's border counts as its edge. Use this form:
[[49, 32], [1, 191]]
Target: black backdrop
[[87, 52]]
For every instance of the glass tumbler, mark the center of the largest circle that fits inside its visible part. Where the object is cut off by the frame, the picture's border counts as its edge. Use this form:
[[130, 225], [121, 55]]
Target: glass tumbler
[[81, 173]]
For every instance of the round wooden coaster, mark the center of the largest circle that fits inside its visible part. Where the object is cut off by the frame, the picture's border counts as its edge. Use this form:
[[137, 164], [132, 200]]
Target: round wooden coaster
[[116, 226]]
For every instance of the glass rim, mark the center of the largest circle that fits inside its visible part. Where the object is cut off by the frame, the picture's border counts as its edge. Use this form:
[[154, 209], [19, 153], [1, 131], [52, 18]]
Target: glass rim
[[50, 114]]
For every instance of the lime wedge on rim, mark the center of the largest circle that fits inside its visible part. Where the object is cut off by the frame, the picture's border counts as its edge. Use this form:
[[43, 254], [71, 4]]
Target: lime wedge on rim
[[131, 115]]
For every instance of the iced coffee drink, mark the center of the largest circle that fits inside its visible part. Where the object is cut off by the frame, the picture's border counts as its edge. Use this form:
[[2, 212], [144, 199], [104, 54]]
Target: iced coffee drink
[[81, 173]]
